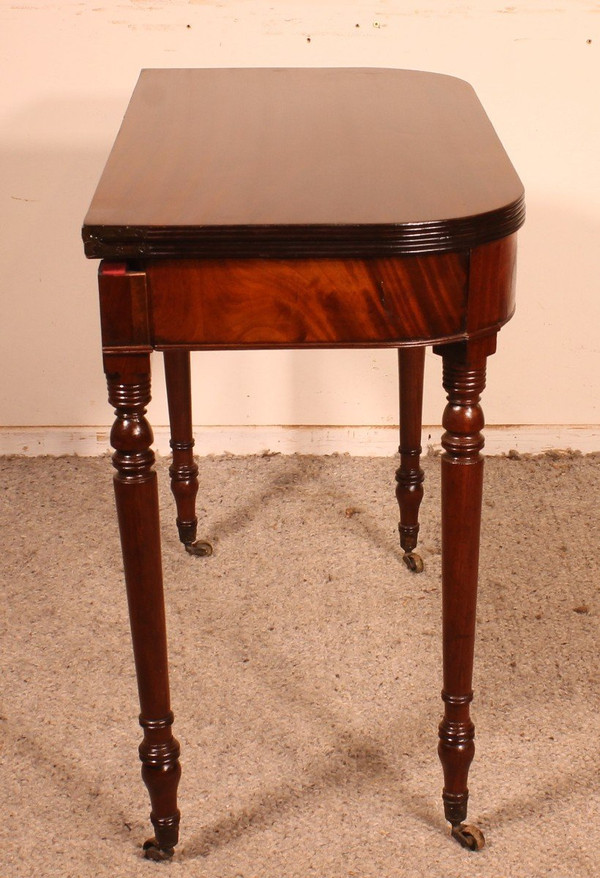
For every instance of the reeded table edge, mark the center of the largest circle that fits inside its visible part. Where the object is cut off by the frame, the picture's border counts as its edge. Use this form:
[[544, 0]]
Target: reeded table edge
[[302, 241]]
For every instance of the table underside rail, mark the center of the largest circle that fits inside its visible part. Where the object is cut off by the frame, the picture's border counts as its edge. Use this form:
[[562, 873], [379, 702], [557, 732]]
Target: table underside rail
[[239, 303]]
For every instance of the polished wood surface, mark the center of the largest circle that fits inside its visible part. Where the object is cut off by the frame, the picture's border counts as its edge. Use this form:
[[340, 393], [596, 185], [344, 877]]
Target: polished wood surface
[[315, 208], [300, 162], [240, 303], [307, 303]]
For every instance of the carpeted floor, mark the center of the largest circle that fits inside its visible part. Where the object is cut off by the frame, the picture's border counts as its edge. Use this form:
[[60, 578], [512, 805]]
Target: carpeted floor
[[305, 671]]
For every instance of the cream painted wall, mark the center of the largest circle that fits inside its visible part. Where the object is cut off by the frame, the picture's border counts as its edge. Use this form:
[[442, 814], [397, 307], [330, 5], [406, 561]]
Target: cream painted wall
[[68, 69]]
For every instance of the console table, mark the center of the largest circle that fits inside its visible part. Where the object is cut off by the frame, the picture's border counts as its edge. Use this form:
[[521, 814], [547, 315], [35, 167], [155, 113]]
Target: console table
[[302, 208]]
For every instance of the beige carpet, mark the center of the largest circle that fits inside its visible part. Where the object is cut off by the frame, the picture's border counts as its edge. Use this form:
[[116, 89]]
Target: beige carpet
[[305, 666]]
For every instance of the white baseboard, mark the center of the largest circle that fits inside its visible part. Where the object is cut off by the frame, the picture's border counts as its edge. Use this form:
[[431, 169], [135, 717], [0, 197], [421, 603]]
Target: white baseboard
[[359, 441]]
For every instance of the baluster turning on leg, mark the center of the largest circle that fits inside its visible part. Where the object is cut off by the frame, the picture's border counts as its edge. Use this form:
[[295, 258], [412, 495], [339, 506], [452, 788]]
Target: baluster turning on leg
[[136, 497], [183, 470], [409, 475], [462, 482]]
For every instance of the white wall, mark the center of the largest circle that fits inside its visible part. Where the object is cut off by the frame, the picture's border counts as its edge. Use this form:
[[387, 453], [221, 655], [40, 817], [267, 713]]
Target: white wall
[[67, 72]]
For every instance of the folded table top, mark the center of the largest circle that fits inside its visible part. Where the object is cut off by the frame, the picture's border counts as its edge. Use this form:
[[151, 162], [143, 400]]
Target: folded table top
[[302, 162]]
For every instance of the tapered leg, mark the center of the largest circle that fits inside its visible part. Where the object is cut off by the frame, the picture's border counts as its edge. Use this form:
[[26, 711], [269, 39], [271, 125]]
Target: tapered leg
[[183, 471], [462, 481], [409, 475], [136, 496]]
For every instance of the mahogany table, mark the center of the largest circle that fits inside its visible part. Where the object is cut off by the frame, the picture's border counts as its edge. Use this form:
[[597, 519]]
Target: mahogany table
[[302, 208]]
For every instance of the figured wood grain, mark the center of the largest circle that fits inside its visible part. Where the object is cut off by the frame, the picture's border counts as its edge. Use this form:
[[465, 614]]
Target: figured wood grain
[[326, 302], [492, 276], [302, 162]]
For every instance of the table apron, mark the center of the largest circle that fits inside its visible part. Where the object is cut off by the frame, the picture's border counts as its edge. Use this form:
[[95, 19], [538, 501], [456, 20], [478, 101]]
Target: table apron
[[295, 303]]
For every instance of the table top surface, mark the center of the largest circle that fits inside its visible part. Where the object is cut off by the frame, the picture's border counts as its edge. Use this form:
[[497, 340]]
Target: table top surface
[[302, 162]]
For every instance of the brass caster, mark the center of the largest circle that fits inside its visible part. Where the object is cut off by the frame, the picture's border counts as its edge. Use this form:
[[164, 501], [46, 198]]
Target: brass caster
[[469, 836], [413, 561], [199, 548], [153, 852]]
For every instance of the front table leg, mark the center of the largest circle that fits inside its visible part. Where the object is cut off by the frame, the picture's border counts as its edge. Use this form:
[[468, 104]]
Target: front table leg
[[462, 482], [136, 496]]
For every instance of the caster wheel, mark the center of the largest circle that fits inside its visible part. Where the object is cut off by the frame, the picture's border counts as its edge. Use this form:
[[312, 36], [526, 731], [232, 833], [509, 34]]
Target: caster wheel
[[199, 548], [469, 836], [413, 561], [153, 852]]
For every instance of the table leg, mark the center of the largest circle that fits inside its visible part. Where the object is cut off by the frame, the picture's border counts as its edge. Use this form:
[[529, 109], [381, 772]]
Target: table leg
[[409, 475], [128, 378], [184, 470], [462, 482]]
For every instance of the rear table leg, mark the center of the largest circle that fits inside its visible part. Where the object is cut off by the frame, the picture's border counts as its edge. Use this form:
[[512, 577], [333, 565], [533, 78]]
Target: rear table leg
[[409, 475], [183, 470]]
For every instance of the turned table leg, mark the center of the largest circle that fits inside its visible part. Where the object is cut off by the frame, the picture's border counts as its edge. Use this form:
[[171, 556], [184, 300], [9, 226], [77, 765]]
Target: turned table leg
[[128, 378], [462, 482], [184, 470], [409, 475]]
